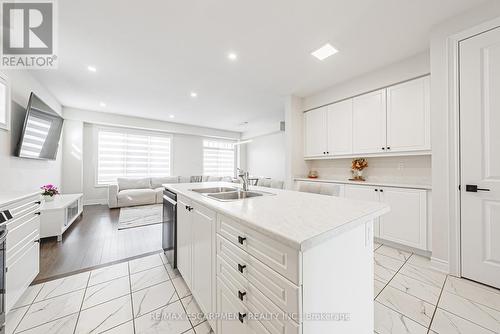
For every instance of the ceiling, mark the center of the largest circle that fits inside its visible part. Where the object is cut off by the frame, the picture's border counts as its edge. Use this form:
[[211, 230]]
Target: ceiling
[[151, 54]]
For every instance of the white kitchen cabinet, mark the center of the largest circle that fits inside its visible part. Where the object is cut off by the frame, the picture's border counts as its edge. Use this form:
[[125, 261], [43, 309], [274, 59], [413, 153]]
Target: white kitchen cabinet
[[196, 251], [184, 239], [203, 246], [22, 258], [408, 116], [369, 122], [406, 223], [315, 132], [365, 193], [339, 125]]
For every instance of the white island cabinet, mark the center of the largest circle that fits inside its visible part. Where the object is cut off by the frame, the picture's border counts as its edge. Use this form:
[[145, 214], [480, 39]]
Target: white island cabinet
[[290, 262]]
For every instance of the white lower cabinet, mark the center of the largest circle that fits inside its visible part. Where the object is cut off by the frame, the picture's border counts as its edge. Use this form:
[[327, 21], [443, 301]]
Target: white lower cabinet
[[196, 252], [406, 223], [22, 246]]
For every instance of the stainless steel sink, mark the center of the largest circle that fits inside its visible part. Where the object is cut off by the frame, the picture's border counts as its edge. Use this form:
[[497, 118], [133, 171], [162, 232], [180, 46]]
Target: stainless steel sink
[[236, 195], [214, 190]]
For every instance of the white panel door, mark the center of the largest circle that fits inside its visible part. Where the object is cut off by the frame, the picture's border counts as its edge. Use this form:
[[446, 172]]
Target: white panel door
[[184, 239], [315, 132], [369, 122], [480, 157], [204, 257], [406, 223], [365, 193], [408, 116], [340, 128]]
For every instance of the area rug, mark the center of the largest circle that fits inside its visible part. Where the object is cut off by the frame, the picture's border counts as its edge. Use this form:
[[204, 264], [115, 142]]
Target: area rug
[[137, 216]]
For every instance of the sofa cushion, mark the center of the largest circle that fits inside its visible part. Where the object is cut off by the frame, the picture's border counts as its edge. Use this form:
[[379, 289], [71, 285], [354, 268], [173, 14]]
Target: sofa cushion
[[132, 197], [213, 178], [159, 195], [156, 182], [133, 183]]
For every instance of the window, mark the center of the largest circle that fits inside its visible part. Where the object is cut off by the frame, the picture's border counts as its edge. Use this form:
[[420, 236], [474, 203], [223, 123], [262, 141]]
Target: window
[[123, 153], [218, 158]]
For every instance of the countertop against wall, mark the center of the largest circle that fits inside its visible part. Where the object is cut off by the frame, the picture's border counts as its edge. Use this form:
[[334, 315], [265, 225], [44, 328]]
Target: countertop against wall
[[426, 185]]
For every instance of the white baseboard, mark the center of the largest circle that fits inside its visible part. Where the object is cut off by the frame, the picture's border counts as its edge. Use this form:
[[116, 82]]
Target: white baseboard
[[440, 265], [95, 202]]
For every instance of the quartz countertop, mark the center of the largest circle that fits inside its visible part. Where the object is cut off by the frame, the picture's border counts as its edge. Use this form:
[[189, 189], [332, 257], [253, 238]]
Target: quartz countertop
[[297, 219], [371, 182]]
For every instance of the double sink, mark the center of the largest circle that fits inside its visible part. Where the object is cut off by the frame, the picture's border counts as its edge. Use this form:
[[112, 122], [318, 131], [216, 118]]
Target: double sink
[[229, 193]]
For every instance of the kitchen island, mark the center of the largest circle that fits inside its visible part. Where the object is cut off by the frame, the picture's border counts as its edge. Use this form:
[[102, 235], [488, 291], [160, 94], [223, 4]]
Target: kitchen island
[[281, 262]]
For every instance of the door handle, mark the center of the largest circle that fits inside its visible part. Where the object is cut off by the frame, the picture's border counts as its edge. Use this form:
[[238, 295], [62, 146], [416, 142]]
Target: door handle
[[472, 188]]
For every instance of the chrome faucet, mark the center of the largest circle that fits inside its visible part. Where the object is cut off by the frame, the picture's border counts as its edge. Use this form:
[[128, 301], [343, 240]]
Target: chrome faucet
[[244, 178]]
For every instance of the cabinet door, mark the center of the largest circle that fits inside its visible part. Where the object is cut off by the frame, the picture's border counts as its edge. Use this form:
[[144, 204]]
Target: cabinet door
[[315, 132], [204, 257], [408, 116], [340, 128], [228, 305], [369, 122], [23, 267], [406, 223], [365, 193], [184, 240]]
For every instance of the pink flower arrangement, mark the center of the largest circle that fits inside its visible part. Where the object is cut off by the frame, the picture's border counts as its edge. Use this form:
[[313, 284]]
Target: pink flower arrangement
[[49, 190]]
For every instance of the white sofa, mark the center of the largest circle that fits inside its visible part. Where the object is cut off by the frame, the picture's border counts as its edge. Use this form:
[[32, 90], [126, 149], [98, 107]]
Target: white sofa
[[144, 191]]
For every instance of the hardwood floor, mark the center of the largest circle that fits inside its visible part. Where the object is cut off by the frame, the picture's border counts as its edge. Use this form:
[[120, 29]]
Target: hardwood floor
[[94, 240]]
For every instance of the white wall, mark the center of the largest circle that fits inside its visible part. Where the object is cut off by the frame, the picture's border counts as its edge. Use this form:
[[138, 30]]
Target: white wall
[[25, 175], [409, 68], [444, 157], [265, 156], [72, 157]]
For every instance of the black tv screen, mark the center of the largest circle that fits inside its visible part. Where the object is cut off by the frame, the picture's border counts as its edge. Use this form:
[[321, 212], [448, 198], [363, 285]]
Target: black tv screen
[[41, 131]]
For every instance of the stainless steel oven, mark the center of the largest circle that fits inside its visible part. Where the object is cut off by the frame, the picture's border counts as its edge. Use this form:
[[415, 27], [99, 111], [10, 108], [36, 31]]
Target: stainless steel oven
[[169, 229], [4, 217]]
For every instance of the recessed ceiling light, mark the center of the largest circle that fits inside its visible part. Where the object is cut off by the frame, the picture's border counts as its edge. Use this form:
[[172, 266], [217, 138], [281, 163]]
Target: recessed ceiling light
[[92, 68], [232, 56], [194, 94], [324, 52], [171, 116], [102, 104]]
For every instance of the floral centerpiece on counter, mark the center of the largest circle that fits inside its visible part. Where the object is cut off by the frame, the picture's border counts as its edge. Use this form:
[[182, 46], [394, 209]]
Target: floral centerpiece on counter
[[49, 191], [357, 167]]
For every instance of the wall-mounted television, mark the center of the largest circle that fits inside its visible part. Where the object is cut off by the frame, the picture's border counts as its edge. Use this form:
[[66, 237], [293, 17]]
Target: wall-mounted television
[[41, 131]]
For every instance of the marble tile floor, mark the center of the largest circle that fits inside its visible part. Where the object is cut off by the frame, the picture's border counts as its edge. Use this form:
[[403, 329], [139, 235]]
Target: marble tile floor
[[412, 298], [138, 296]]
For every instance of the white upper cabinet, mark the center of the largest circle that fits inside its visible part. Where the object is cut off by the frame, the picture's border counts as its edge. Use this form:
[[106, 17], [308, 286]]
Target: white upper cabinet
[[340, 128], [369, 122], [315, 132], [408, 116], [392, 120]]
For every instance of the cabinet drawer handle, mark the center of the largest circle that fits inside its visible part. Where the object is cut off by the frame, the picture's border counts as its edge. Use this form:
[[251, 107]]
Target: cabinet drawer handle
[[38, 202], [241, 316], [37, 240], [241, 295], [241, 240], [383, 148], [376, 189], [38, 213], [388, 147], [381, 190], [241, 267]]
